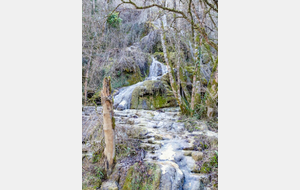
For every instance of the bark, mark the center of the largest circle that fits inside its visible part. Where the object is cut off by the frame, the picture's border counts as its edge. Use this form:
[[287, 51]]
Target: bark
[[85, 82], [178, 78], [194, 89], [172, 81], [212, 91], [197, 67], [108, 124]]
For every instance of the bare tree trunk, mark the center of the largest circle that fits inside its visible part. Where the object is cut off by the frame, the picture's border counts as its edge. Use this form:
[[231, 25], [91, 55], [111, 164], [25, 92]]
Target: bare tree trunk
[[178, 78], [194, 89], [86, 81], [108, 124], [172, 81]]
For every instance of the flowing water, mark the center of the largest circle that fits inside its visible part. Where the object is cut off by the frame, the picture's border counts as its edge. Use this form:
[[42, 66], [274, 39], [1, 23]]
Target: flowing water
[[123, 98], [167, 143], [165, 139]]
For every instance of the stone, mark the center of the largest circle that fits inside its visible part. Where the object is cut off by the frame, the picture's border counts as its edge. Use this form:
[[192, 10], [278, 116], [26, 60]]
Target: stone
[[130, 121], [196, 168], [152, 94], [187, 153], [143, 176], [171, 177], [197, 156], [156, 137], [109, 185]]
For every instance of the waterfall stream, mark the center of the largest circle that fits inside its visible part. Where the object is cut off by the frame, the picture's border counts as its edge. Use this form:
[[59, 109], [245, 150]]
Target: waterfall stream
[[123, 99]]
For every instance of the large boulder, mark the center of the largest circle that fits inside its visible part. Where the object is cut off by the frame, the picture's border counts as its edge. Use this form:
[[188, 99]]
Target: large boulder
[[153, 94]]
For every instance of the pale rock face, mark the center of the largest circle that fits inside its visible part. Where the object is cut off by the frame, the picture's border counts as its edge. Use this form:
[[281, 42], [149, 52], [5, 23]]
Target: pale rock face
[[109, 185], [197, 156]]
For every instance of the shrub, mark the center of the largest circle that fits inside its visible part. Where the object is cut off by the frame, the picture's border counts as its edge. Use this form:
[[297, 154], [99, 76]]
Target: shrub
[[114, 20]]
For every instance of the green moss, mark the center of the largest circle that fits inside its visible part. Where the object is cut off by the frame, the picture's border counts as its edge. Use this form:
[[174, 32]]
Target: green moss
[[205, 168], [143, 177], [159, 56], [135, 78], [152, 95]]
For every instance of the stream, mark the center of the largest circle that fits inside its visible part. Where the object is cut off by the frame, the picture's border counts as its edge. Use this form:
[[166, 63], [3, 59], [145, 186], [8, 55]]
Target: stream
[[164, 138], [167, 143]]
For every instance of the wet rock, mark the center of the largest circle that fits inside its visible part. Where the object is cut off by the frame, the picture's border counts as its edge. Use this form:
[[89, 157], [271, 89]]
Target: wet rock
[[130, 121], [187, 153], [109, 185], [150, 147], [197, 156], [190, 146], [157, 137], [172, 177]]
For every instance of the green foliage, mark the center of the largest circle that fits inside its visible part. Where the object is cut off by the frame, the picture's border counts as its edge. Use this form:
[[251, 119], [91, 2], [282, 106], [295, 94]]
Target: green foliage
[[114, 20]]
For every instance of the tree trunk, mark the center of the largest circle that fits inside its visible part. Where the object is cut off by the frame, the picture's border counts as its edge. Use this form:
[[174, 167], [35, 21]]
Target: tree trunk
[[86, 81], [108, 124], [194, 89], [172, 81]]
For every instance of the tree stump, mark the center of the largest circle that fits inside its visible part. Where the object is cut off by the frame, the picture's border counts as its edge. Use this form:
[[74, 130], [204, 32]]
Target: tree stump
[[108, 124]]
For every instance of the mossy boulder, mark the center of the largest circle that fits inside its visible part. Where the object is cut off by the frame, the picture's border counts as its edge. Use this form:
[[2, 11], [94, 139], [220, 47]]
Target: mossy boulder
[[159, 56], [153, 94], [143, 176]]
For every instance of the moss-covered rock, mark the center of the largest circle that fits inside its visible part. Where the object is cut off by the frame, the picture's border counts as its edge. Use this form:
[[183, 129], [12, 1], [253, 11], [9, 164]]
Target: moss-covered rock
[[159, 56], [143, 176], [153, 94]]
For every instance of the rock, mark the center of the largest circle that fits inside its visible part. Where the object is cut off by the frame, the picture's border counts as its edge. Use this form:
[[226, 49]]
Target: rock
[[150, 147], [109, 185], [152, 94], [213, 141], [130, 121], [172, 177], [204, 179], [197, 156], [143, 176], [156, 137], [196, 168], [187, 153]]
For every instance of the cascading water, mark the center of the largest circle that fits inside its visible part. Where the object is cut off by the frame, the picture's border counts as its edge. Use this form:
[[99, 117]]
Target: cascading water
[[157, 69], [123, 98]]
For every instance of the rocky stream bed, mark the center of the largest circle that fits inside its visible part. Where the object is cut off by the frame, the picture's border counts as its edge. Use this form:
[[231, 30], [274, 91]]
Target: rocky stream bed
[[168, 157]]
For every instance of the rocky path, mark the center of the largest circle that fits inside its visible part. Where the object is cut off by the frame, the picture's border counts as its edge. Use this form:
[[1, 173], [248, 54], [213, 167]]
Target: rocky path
[[165, 140], [167, 143]]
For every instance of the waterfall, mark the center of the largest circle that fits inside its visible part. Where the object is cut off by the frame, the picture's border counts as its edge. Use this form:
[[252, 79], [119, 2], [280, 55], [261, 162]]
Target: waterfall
[[157, 69], [123, 98]]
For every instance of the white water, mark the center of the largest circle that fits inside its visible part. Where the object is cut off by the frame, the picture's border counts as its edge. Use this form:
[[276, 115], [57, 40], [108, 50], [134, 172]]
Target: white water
[[157, 69], [123, 98]]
